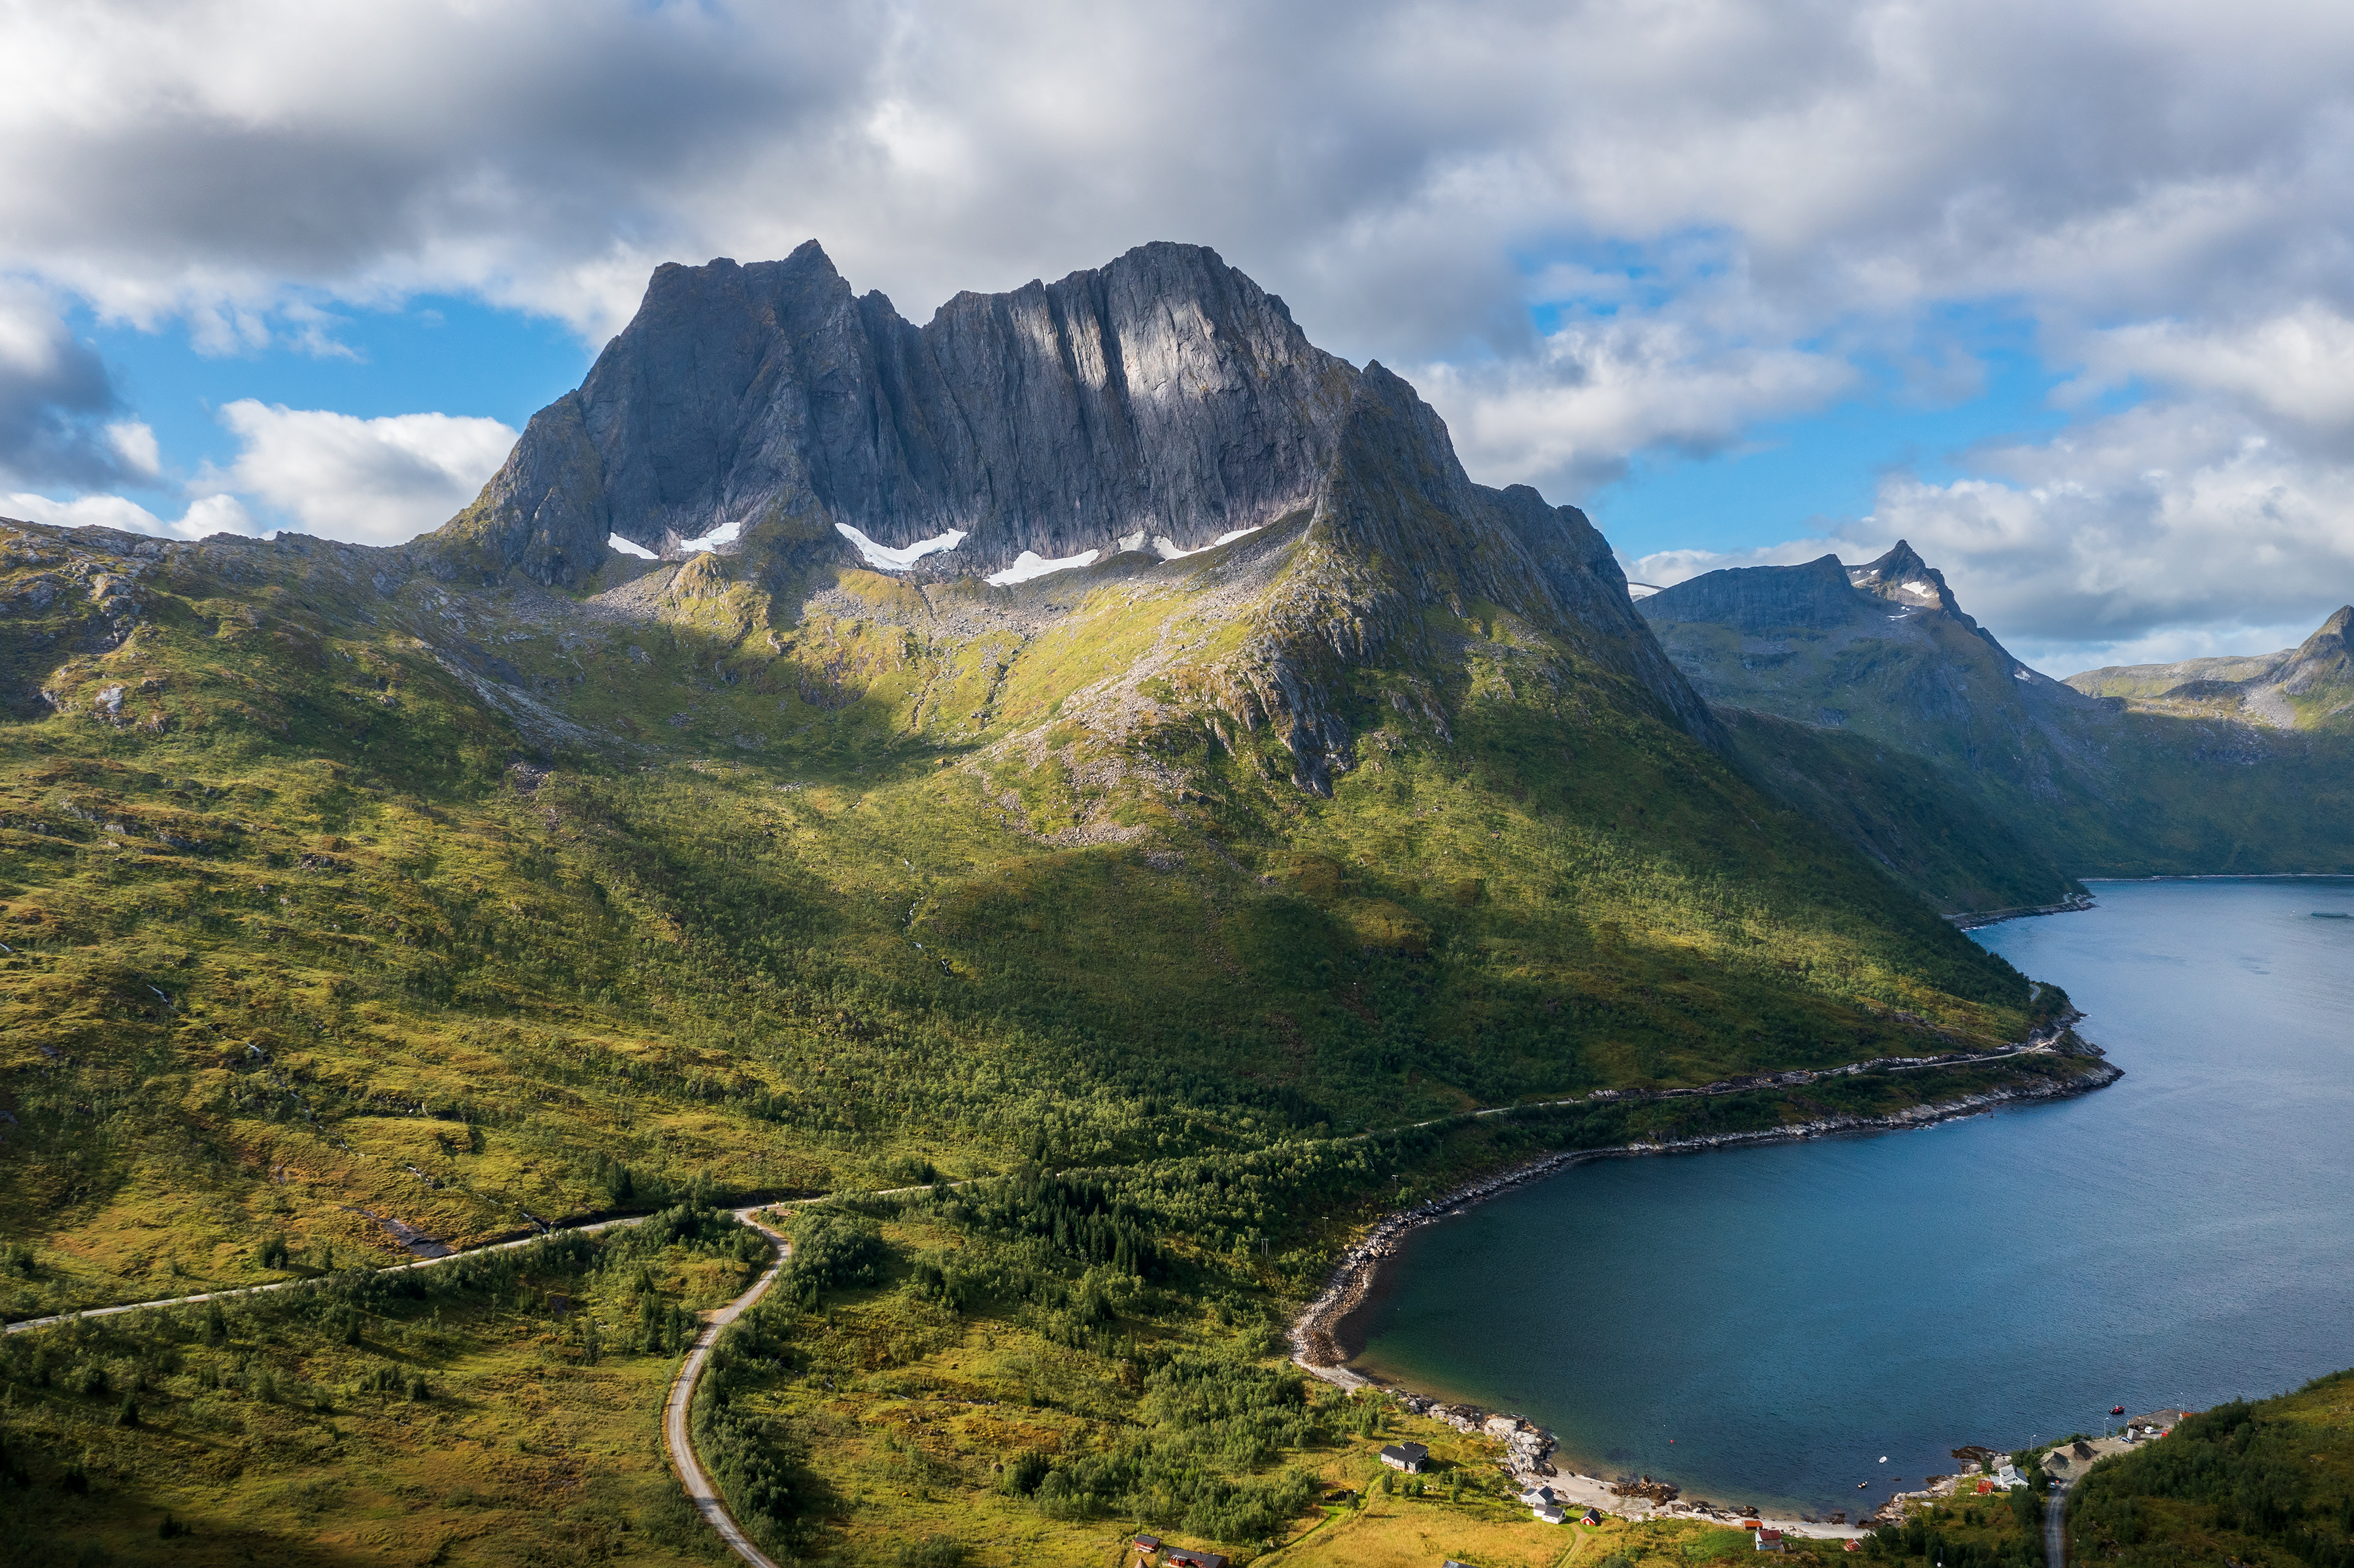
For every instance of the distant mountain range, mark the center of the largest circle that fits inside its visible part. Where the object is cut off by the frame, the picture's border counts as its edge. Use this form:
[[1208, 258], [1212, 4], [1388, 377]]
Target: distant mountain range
[[2310, 686], [1869, 695]]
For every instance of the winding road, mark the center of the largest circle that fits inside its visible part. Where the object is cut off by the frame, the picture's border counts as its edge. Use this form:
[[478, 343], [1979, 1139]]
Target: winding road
[[675, 1434], [675, 1437]]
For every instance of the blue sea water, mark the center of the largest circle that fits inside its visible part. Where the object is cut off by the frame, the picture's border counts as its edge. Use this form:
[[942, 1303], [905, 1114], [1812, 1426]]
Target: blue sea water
[[1762, 1326]]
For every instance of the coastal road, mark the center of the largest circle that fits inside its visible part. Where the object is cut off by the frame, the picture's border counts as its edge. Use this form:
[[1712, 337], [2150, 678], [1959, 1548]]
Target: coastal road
[[2055, 1528], [675, 1435]]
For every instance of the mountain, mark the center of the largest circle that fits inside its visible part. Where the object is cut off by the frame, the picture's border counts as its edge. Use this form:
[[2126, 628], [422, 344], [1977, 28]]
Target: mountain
[[1187, 900], [1975, 777], [2310, 686], [1164, 400]]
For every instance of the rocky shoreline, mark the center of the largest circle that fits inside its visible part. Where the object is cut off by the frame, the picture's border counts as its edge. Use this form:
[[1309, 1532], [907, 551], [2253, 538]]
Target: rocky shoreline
[[2069, 906], [1318, 1350]]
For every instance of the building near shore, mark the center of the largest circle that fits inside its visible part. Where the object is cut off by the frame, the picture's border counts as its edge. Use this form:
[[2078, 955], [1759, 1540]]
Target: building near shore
[[1412, 1457]]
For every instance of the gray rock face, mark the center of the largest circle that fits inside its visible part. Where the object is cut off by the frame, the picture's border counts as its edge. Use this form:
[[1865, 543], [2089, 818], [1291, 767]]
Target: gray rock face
[[1166, 395]]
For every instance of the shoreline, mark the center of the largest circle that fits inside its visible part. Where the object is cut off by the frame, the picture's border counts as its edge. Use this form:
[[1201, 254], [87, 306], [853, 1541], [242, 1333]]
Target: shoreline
[[1971, 920], [1319, 1349]]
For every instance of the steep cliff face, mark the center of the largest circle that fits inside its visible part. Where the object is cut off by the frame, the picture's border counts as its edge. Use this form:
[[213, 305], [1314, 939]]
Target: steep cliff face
[[1163, 398], [1401, 557]]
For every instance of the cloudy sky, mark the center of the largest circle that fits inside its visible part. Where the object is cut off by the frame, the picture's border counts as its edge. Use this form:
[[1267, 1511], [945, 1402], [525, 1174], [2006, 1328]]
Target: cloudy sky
[[2061, 294]]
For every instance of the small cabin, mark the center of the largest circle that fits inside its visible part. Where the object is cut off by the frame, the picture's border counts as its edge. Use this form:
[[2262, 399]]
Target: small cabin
[[1412, 1457], [1769, 1541]]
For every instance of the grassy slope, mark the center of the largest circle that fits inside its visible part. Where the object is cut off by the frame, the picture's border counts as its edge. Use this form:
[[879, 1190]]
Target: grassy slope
[[294, 940]]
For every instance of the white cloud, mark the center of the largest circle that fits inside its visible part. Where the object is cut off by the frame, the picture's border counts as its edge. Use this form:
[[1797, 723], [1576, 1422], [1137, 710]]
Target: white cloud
[[207, 515], [1389, 165], [372, 481], [55, 395], [134, 444], [1569, 417], [2297, 366]]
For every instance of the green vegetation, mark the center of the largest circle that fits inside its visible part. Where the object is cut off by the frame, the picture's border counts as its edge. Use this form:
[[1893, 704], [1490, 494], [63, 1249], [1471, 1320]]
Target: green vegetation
[[1999, 1529], [2263, 1484], [2268, 1482], [1918, 740], [342, 911], [498, 1408]]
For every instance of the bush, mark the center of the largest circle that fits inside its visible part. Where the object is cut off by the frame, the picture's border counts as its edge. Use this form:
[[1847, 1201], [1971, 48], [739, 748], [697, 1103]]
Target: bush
[[832, 1247], [1024, 1474]]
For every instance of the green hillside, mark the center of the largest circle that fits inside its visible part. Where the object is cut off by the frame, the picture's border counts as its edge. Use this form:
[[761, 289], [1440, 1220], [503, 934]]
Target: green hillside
[[2006, 784], [353, 896]]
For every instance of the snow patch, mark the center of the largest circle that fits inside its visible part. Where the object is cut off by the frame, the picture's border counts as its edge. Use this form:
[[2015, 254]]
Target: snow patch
[[1916, 586], [723, 535], [1169, 552], [628, 548], [899, 557], [1029, 564]]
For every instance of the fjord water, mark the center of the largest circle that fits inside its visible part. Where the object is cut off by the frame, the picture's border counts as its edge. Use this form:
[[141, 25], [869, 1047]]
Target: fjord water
[[1788, 1315]]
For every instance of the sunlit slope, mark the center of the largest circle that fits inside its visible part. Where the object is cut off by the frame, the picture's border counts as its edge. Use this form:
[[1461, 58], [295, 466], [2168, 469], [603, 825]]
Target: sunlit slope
[[344, 887]]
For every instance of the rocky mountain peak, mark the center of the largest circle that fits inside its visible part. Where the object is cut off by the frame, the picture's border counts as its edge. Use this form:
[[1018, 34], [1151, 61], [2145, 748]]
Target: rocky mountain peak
[[2322, 660], [1164, 398], [1902, 578]]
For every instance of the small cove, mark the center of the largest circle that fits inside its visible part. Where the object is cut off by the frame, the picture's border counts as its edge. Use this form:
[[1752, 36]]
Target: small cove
[[1787, 1314]]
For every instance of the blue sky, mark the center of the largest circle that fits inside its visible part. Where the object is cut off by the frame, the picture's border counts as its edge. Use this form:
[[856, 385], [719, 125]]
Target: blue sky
[[2059, 294], [441, 353]]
